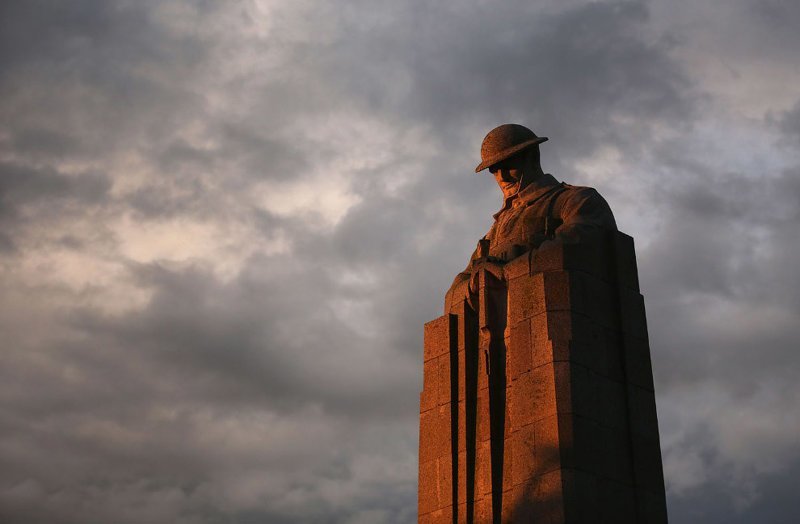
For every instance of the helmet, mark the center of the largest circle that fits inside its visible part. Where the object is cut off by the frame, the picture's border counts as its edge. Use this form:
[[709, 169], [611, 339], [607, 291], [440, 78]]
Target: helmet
[[505, 141]]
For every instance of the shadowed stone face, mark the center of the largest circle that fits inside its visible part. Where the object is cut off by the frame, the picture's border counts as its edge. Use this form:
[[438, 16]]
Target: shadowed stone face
[[510, 174]]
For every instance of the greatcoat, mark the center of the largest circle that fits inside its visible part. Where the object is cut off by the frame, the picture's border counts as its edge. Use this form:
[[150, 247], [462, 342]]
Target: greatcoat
[[545, 210]]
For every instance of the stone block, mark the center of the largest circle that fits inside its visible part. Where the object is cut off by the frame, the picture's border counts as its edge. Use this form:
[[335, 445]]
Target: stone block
[[562, 378], [638, 367], [525, 298], [483, 467], [563, 292], [617, 502], [548, 445], [437, 337], [443, 391], [581, 500], [578, 443], [612, 364], [593, 256], [625, 256], [484, 420], [549, 257], [462, 419], [466, 326], [427, 435], [462, 513], [541, 338], [483, 510], [648, 470], [430, 386], [461, 516], [592, 396], [541, 499], [643, 418], [615, 460], [554, 325], [444, 488], [462, 479], [533, 396], [441, 516], [518, 267], [523, 455], [611, 402], [600, 299], [462, 374], [543, 351], [587, 339], [483, 365], [493, 300], [508, 461], [575, 391], [651, 507], [634, 323], [427, 497], [507, 514], [434, 433], [519, 353], [543, 391], [509, 424], [548, 503], [574, 350], [518, 399], [443, 430], [560, 351]]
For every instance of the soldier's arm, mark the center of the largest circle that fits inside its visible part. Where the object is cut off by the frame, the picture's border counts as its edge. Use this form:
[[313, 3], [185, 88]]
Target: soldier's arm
[[583, 212], [462, 284], [459, 289]]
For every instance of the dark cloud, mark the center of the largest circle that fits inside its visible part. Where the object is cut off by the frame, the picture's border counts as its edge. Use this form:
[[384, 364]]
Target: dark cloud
[[789, 123], [30, 194], [223, 228]]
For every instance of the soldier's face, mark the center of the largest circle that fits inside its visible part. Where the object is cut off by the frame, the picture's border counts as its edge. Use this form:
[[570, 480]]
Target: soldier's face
[[508, 173]]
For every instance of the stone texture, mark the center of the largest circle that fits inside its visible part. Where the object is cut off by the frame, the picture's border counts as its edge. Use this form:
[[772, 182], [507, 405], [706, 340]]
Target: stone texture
[[577, 432]]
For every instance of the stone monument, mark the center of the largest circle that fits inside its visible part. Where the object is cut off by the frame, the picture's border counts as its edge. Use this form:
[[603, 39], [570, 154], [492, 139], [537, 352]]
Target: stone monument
[[538, 402]]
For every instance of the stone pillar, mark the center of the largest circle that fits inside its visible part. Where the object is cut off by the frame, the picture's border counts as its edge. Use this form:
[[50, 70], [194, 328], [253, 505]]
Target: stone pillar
[[437, 422], [538, 402]]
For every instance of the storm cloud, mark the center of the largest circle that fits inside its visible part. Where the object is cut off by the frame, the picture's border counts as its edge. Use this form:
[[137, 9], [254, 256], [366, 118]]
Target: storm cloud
[[223, 224]]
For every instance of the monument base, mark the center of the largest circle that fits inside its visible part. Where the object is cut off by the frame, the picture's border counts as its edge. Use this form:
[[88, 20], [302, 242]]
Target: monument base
[[538, 401]]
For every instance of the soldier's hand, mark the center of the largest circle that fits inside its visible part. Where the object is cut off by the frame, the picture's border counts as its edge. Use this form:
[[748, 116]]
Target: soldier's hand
[[489, 264]]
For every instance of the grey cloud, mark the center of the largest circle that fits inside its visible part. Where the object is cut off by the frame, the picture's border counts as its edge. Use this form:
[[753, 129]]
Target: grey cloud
[[568, 71], [187, 396], [77, 73], [22, 186], [774, 503], [789, 123], [721, 288]]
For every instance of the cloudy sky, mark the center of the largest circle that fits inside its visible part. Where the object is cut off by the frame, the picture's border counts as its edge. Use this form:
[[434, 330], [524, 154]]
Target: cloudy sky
[[223, 224]]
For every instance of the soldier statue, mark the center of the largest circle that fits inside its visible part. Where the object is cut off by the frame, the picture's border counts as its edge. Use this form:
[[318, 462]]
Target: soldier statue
[[536, 207]]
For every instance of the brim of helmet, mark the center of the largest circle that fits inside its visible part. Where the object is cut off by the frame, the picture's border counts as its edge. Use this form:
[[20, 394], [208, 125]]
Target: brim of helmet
[[511, 151]]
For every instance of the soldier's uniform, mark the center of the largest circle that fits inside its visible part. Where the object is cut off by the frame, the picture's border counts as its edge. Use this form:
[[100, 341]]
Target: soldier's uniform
[[543, 210], [546, 210]]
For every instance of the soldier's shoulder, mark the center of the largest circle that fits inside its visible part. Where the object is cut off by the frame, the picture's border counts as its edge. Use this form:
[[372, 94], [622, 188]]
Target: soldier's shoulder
[[574, 187], [580, 191]]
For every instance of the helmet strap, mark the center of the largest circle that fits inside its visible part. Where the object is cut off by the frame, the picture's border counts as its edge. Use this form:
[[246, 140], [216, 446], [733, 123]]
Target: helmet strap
[[519, 182]]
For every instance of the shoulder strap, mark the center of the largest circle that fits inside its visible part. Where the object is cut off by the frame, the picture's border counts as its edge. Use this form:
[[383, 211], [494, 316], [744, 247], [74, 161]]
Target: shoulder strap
[[549, 219]]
